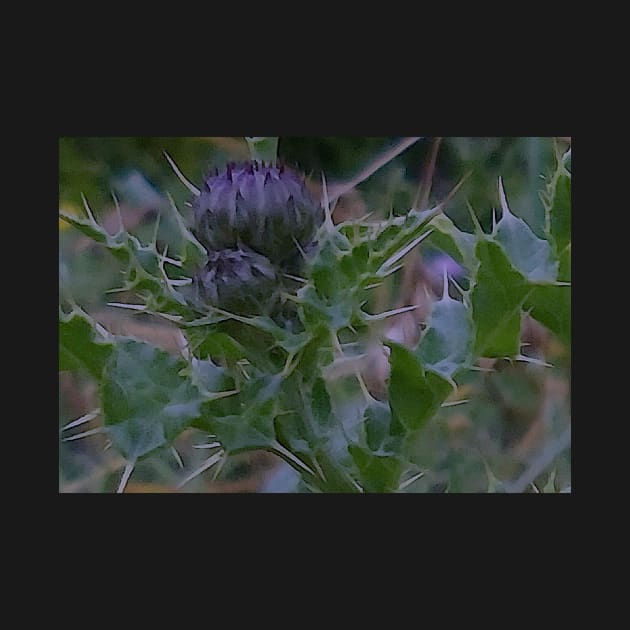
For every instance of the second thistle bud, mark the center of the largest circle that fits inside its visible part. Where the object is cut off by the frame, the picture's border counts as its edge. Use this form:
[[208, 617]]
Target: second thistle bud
[[237, 280]]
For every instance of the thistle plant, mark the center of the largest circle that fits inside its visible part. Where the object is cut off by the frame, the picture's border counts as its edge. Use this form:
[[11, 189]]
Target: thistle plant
[[271, 297]]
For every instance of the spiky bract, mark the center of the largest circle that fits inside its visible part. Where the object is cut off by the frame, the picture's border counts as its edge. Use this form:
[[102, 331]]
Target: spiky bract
[[266, 208], [238, 280]]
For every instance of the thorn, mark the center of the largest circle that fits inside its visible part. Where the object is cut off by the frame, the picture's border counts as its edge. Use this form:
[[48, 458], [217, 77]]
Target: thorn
[[297, 278], [193, 189], [107, 446], [365, 217], [219, 467], [209, 445], [133, 307], [125, 477], [84, 434], [121, 227], [213, 459], [455, 403], [494, 221], [177, 457], [445, 295], [502, 197], [157, 227], [534, 488], [475, 220], [387, 314], [178, 217], [302, 252], [405, 250], [296, 460], [319, 470], [87, 209], [121, 290], [364, 390], [328, 222], [180, 283], [86, 418], [409, 481], [522, 357], [462, 292], [391, 271], [171, 261], [219, 395]]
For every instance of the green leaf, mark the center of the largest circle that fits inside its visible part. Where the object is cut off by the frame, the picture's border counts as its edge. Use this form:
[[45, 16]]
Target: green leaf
[[415, 394], [378, 418], [146, 402], [396, 235], [117, 244], [320, 404], [208, 377], [207, 341], [193, 254], [246, 432], [446, 346], [551, 305], [253, 428], [379, 473], [451, 240], [329, 278], [497, 296], [557, 203], [530, 255], [80, 348]]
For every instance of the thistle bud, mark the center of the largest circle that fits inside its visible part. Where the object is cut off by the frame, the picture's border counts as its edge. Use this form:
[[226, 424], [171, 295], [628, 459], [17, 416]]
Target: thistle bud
[[237, 280], [266, 208]]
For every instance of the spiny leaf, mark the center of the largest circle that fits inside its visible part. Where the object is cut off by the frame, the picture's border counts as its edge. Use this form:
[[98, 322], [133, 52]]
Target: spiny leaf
[[208, 341], [117, 244], [497, 296], [253, 427], [194, 254], [557, 203], [396, 234], [146, 402], [378, 420], [530, 255], [450, 239], [79, 345], [551, 306], [446, 346], [415, 393], [379, 473], [320, 403]]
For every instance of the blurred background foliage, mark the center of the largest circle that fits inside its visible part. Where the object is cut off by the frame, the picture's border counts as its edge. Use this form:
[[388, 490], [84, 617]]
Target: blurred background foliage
[[514, 411]]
